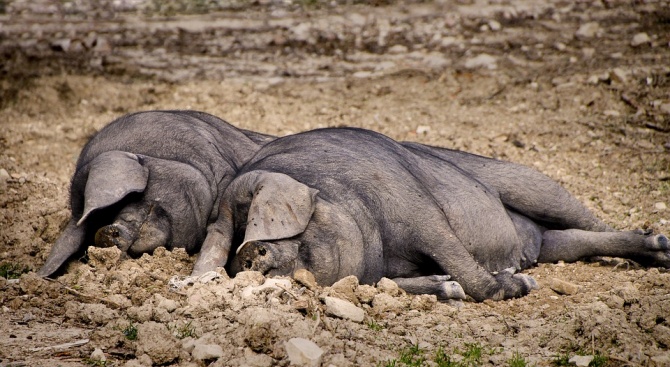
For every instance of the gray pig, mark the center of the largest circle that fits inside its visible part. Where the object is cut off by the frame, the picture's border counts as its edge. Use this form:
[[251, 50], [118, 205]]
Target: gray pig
[[342, 202], [151, 179]]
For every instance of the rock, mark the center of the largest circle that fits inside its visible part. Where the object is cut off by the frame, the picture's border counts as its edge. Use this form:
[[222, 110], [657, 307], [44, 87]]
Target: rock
[[640, 39], [388, 286], [436, 60], [397, 49], [4, 177], [665, 108], [206, 352], [246, 278], [384, 302], [588, 52], [660, 206], [306, 278], [482, 61], [619, 75], [344, 309], [588, 30], [346, 287], [494, 25], [563, 287], [303, 352], [662, 334], [580, 360], [166, 304], [98, 355], [156, 341]]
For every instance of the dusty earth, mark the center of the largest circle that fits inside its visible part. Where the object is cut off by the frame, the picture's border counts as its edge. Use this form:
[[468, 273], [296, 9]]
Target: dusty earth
[[578, 90]]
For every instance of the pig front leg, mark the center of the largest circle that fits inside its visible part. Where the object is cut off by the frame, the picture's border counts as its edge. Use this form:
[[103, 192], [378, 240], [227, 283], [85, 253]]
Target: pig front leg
[[438, 285]]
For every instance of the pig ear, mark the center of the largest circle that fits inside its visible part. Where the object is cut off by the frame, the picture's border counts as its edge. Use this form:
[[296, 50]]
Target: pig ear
[[111, 177], [281, 208]]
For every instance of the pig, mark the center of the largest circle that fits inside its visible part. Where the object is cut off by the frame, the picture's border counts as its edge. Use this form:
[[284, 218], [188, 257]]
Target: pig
[[151, 179], [346, 201]]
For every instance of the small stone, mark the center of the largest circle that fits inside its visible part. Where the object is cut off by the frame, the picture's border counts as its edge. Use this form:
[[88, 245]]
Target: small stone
[[495, 25], [303, 352], [98, 355], [306, 278], [611, 113], [580, 360], [588, 52], [4, 175], [563, 287], [422, 129], [660, 206], [482, 61], [619, 75], [397, 49], [664, 108], [588, 30], [344, 309], [640, 39], [205, 352]]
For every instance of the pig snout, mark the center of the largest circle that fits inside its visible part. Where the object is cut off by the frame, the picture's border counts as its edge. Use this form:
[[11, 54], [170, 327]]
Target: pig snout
[[254, 256], [116, 235]]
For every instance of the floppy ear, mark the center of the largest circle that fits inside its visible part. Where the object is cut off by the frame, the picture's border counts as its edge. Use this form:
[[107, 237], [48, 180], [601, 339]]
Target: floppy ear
[[281, 208], [112, 176]]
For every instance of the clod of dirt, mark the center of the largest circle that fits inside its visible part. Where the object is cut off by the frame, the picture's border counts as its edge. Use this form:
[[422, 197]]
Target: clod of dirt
[[389, 287], [156, 341], [345, 288], [104, 258], [306, 278]]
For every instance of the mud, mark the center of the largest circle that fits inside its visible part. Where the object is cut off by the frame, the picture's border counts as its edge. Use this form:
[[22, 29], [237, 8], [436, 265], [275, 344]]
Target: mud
[[572, 89]]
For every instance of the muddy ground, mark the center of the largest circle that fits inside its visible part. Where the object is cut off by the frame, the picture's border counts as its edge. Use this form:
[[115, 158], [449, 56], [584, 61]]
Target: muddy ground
[[578, 90]]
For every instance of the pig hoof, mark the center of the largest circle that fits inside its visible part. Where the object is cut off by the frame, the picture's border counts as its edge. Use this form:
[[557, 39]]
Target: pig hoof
[[528, 281], [657, 243], [452, 290]]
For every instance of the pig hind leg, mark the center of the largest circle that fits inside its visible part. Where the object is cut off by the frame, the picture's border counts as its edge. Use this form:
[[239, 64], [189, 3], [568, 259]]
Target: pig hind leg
[[574, 244]]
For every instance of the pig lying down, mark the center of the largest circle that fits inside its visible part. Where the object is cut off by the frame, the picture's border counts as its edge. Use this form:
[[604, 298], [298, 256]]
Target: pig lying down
[[342, 202], [151, 179]]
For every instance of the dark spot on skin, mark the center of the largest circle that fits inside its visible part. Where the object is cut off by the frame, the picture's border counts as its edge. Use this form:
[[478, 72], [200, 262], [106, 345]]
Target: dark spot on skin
[[262, 251]]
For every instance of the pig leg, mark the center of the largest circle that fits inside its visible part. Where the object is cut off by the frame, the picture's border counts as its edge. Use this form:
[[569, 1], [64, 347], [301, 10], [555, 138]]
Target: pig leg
[[438, 285], [574, 244]]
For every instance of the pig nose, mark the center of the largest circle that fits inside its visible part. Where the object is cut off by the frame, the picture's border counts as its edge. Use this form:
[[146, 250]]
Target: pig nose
[[114, 235]]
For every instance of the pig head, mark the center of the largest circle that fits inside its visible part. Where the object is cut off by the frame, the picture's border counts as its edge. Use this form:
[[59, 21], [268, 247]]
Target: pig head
[[342, 202], [151, 179]]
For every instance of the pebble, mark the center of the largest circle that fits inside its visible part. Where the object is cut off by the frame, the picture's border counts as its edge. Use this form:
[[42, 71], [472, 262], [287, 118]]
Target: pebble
[[204, 352], [344, 309], [588, 30], [98, 355], [619, 75], [482, 61], [495, 25], [562, 287], [383, 302], [660, 206], [665, 108], [580, 360], [397, 49], [303, 352], [640, 39]]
